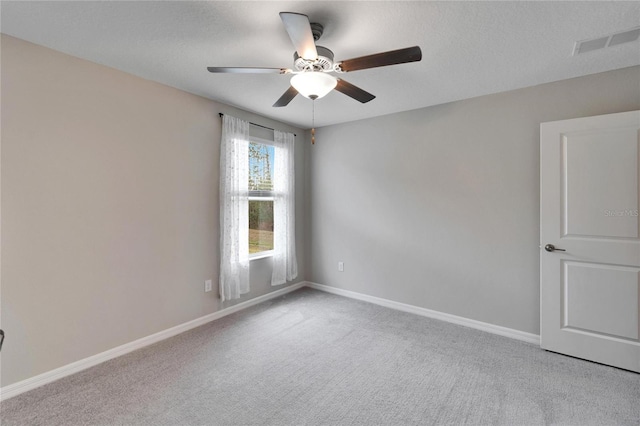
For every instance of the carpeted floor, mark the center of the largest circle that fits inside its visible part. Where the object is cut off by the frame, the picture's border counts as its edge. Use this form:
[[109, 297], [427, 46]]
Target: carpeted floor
[[312, 358]]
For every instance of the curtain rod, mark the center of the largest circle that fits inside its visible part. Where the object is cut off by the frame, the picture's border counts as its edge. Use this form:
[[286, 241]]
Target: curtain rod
[[259, 125]]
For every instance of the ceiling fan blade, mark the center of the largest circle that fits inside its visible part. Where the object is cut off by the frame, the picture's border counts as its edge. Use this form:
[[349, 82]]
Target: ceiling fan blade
[[354, 91], [286, 97], [393, 57], [248, 70], [299, 29]]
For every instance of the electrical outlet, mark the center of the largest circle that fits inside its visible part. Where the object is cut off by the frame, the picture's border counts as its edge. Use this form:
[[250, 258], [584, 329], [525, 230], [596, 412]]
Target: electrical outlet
[[207, 286], [341, 266]]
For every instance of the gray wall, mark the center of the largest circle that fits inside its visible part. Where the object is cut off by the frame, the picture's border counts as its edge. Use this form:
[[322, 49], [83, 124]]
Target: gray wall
[[109, 208], [439, 207]]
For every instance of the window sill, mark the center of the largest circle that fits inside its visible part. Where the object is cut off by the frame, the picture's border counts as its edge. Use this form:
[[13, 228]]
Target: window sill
[[261, 255]]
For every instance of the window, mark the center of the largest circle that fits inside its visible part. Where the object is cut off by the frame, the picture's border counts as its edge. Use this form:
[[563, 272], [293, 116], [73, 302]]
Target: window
[[257, 179], [261, 198]]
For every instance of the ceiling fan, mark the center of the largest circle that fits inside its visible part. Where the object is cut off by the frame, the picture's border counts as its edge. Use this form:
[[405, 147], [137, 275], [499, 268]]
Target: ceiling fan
[[312, 64]]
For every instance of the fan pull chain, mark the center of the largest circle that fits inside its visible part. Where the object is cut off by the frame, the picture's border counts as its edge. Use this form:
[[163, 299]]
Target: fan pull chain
[[313, 122]]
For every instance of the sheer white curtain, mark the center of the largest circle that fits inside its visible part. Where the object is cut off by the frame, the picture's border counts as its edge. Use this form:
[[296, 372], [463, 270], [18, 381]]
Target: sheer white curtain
[[285, 265], [234, 208]]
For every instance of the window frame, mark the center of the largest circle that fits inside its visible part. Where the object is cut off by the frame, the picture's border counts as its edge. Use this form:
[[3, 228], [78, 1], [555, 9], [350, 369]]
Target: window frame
[[262, 195]]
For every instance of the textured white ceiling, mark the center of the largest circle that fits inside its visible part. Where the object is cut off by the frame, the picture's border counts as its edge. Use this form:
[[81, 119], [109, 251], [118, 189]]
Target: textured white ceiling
[[469, 48]]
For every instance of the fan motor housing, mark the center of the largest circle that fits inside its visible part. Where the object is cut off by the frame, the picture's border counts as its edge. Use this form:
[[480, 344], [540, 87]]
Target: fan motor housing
[[323, 63]]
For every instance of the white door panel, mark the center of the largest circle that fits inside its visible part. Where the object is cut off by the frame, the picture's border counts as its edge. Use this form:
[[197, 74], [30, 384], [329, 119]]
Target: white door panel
[[589, 201], [589, 186], [601, 299]]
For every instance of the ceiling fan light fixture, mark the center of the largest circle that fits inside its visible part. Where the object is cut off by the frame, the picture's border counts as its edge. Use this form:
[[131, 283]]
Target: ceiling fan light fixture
[[313, 84]]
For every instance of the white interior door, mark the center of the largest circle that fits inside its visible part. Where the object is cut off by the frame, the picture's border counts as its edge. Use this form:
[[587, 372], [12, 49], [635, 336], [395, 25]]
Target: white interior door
[[590, 291]]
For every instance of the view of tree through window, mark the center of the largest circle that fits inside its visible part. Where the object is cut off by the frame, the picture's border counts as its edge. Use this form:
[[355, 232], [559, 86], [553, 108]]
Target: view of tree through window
[[260, 197]]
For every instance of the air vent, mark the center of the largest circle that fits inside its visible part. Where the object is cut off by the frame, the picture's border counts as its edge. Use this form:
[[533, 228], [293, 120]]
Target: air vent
[[624, 37], [584, 46]]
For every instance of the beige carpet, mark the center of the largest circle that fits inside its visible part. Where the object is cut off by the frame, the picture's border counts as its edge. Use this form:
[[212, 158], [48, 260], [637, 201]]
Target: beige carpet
[[311, 358]]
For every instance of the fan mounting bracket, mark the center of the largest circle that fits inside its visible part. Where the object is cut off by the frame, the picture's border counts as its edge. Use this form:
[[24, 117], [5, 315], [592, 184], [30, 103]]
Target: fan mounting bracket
[[316, 30]]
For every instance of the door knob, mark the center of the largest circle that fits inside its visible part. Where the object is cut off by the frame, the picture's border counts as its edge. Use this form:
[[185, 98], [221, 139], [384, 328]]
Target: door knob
[[551, 247]]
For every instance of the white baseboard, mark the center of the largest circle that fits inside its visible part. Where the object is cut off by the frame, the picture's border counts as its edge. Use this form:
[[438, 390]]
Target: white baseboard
[[66, 370], [466, 322]]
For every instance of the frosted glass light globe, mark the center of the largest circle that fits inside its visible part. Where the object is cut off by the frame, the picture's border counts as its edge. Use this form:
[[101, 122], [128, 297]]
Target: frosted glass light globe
[[313, 84]]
